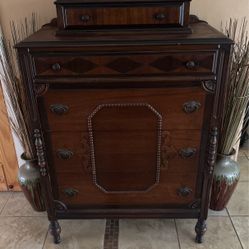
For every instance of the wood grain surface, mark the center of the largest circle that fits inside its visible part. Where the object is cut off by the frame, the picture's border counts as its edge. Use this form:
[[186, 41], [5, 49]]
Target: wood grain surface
[[8, 159]]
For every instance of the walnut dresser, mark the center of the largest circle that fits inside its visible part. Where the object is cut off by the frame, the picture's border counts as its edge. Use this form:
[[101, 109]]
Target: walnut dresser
[[125, 104]]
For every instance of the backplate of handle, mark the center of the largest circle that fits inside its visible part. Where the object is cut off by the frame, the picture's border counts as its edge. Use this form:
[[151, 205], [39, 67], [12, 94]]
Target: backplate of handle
[[160, 16], [71, 192], [64, 154], [56, 67], [59, 109], [191, 64], [187, 152], [184, 191], [191, 106], [85, 18]]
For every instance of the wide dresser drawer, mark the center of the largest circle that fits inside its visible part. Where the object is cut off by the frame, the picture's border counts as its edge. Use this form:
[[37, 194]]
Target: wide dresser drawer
[[70, 110], [84, 16], [118, 64], [125, 169]]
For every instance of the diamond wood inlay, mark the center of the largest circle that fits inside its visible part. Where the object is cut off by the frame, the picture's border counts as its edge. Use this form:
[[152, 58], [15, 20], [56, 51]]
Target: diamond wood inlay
[[123, 65], [79, 65], [166, 63]]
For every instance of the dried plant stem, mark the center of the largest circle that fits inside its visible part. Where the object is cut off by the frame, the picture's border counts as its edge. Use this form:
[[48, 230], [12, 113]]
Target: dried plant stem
[[12, 84], [237, 96]]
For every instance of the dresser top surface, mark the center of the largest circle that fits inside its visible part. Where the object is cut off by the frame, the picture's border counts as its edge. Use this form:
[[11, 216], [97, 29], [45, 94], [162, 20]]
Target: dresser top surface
[[202, 33]]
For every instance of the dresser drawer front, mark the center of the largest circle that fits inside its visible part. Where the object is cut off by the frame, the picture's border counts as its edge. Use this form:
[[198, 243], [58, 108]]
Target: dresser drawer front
[[77, 145], [69, 110], [145, 63], [106, 16], [167, 193], [76, 173]]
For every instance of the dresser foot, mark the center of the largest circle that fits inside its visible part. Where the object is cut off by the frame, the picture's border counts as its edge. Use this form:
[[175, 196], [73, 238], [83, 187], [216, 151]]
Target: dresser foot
[[200, 229], [55, 230]]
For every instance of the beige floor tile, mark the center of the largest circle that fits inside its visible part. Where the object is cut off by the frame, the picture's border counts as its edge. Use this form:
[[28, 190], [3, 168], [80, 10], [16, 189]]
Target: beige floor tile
[[148, 234], [245, 149], [17, 205], [22, 232], [79, 234], [217, 213], [244, 168], [241, 153], [220, 234], [239, 203], [241, 225], [4, 196]]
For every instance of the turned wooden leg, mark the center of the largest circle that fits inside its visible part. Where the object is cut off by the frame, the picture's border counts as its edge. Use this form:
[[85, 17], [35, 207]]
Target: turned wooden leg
[[55, 230], [200, 229]]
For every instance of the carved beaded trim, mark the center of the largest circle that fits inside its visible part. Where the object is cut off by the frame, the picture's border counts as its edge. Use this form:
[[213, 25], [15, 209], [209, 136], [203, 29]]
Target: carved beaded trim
[[91, 138], [212, 149], [40, 152]]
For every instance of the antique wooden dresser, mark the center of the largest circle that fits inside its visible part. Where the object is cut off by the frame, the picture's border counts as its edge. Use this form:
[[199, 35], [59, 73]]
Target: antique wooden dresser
[[125, 102]]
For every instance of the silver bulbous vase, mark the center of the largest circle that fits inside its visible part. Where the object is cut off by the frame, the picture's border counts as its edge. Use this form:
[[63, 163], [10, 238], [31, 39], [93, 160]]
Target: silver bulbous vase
[[225, 180], [29, 180]]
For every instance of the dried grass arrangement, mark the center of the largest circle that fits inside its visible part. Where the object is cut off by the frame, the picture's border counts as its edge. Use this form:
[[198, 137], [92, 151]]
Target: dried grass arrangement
[[237, 96], [12, 83]]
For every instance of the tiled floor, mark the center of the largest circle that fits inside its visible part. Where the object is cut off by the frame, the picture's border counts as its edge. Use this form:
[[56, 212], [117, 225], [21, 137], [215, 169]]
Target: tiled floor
[[22, 228]]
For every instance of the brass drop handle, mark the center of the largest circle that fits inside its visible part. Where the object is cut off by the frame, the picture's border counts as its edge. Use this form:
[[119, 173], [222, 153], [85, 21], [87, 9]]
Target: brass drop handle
[[160, 16], [187, 153], [184, 191], [59, 109], [71, 192], [191, 65], [64, 154], [191, 106], [85, 18], [56, 67]]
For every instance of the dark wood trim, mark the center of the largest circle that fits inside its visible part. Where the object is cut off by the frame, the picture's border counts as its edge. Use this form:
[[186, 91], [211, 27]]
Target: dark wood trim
[[127, 213], [112, 1]]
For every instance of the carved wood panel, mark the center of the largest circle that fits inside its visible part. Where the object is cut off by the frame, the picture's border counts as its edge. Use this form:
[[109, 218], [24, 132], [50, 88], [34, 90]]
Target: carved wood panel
[[125, 156]]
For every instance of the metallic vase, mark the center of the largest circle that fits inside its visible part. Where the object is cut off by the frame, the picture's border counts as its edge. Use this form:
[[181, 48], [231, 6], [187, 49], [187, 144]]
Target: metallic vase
[[226, 177], [29, 180]]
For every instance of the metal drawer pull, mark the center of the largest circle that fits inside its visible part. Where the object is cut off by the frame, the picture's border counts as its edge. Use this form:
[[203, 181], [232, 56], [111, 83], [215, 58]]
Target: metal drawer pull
[[191, 65], [191, 106], [59, 109], [160, 16], [56, 67], [64, 154], [71, 192], [85, 18], [184, 191], [187, 153]]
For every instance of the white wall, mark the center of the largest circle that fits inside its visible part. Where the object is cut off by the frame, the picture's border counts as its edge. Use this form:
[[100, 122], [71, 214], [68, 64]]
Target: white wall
[[220, 11], [213, 11], [17, 10]]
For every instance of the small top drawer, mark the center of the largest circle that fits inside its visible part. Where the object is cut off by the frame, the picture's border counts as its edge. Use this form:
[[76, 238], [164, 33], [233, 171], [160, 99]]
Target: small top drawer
[[171, 14]]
